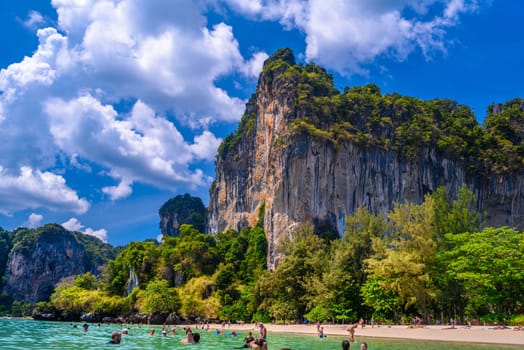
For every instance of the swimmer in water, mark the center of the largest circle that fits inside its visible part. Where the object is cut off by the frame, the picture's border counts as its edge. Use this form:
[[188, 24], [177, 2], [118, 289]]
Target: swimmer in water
[[116, 337]]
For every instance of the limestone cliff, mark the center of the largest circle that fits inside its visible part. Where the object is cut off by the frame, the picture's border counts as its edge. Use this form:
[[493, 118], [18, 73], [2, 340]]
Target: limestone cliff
[[305, 152], [40, 258]]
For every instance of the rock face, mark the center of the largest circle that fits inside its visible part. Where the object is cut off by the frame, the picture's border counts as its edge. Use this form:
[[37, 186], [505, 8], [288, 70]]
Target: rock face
[[41, 258], [300, 177]]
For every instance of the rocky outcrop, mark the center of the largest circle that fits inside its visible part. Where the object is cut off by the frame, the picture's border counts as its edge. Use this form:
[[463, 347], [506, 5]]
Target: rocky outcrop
[[182, 209], [301, 177], [41, 258]]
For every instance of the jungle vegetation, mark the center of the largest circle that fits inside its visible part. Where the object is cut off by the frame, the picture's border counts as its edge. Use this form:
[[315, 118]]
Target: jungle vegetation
[[365, 116], [434, 260]]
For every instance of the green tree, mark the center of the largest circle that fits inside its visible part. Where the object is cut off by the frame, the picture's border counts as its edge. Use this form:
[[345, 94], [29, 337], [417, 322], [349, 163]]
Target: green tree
[[199, 299], [383, 301], [86, 281], [285, 292], [451, 216], [254, 261], [402, 261], [455, 216], [159, 297], [140, 257], [489, 265]]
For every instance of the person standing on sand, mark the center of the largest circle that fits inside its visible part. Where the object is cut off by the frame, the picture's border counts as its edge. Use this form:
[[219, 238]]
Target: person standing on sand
[[351, 331], [321, 332]]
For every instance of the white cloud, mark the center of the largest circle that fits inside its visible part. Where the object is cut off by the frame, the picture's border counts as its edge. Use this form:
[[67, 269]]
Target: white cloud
[[159, 53], [141, 146], [254, 66], [34, 220], [35, 189], [345, 35], [34, 19], [74, 225], [250, 7], [101, 234], [205, 145], [122, 190]]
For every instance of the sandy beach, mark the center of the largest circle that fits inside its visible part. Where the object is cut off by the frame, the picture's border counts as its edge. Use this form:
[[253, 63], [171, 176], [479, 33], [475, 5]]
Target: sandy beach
[[475, 334]]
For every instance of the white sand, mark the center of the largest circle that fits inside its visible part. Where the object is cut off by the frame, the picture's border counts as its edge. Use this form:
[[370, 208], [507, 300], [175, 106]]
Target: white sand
[[475, 334]]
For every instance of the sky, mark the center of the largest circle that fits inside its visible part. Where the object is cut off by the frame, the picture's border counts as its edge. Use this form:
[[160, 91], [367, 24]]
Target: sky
[[108, 108]]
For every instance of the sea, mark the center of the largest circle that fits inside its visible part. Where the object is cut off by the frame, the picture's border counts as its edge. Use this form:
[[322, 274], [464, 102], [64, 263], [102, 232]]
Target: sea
[[16, 334]]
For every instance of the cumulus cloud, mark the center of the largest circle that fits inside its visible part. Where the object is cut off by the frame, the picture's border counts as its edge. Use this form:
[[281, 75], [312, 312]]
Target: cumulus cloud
[[34, 220], [345, 35], [205, 145], [74, 225], [254, 66], [122, 190], [35, 189], [159, 51], [140, 146], [161, 54]]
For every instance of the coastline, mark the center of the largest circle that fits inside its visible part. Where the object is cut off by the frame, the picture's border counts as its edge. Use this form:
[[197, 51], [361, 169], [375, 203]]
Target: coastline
[[460, 334]]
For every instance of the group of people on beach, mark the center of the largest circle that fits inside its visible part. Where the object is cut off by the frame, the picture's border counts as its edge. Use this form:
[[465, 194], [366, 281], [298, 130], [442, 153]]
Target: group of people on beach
[[259, 343], [351, 332]]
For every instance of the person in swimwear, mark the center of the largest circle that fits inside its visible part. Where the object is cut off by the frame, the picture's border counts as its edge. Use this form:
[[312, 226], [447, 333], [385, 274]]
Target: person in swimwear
[[321, 332], [351, 331]]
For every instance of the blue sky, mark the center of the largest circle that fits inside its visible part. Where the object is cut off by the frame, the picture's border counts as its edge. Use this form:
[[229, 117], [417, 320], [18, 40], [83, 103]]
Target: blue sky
[[109, 108]]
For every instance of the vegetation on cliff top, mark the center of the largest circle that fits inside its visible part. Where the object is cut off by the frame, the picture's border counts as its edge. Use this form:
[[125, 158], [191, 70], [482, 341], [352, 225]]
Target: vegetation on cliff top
[[98, 253], [407, 125]]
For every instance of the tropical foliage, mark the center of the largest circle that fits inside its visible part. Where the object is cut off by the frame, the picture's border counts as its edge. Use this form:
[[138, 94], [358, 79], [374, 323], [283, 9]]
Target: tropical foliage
[[410, 126], [433, 260]]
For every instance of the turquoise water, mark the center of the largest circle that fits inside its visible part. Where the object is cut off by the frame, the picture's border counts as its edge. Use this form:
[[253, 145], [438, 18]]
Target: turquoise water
[[27, 334]]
